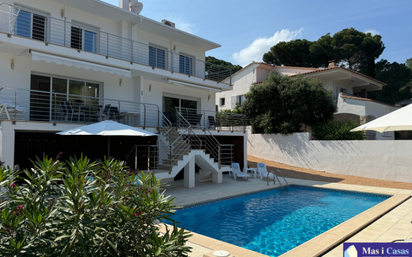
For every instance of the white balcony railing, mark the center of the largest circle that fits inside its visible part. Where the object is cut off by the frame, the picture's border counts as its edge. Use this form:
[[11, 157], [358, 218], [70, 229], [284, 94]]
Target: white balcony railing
[[34, 105], [15, 20]]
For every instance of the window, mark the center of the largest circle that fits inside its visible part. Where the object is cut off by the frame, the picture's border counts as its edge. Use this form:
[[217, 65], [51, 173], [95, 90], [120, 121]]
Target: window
[[222, 101], [83, 38], [185, 64], [157, 57], [386, 134], [170, 103], [240, 99], [31, 25]]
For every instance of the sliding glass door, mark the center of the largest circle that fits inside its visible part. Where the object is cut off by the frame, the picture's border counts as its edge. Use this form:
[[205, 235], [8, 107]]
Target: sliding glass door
[[50, 95], [40, 98], [171, 103]]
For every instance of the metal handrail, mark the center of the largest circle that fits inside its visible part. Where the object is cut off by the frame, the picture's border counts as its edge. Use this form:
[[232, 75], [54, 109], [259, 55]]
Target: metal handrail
[[61, 32], [274, 176], [287, 184]]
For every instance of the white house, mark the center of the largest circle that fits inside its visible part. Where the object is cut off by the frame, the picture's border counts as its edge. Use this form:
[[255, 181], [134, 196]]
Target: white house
[[344, 84], [66, 63]]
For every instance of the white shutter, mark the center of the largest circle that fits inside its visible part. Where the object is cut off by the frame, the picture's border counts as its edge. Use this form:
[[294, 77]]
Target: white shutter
[[233, 102]]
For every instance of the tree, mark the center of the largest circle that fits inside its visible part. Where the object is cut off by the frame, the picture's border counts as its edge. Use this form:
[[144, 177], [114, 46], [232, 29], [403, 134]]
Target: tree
[[284, 105], [292, 53], [223, 63], [358, 50], [350, 47], [397, 77], [409, 63]]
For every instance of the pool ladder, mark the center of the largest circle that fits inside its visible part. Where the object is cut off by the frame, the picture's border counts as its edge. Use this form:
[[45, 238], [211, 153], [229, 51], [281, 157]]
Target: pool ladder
[[275, 176]]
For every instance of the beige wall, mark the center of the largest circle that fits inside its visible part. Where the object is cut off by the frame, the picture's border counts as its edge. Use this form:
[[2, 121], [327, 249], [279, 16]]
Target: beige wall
[[378, 159]]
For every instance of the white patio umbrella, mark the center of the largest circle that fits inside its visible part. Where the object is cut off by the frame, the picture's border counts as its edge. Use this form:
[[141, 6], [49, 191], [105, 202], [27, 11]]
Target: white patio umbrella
[[107, 128], [398, 120]]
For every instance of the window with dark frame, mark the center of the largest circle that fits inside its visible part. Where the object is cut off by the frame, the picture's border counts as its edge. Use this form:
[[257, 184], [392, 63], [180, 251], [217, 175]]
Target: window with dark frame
[[31, 25], [157, 57], [83, 38], [185, 64]]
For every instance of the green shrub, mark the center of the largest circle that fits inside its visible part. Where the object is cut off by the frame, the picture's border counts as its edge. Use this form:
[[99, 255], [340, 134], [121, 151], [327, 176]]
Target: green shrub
[[337, 130], [83, 208], [285, 105]]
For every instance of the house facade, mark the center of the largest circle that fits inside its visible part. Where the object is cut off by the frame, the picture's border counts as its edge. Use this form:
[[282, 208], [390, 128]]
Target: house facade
[[66, 63], [343, 83]]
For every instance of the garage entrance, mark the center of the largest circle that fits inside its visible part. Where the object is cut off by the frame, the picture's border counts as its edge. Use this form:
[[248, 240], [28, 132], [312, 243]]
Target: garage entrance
[[32, 144]]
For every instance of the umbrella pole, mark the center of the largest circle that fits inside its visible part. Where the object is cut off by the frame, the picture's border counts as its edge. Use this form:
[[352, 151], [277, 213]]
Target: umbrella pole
[[108, 150]]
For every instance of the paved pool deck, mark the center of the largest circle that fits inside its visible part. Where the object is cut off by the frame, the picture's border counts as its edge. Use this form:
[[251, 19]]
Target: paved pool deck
[[385, 222]]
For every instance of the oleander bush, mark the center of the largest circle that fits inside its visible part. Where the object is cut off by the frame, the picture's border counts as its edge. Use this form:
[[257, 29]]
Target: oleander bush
[[84, 208]]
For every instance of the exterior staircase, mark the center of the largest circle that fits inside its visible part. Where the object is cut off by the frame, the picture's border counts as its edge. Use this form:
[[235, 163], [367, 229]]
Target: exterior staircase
[[179, 150]]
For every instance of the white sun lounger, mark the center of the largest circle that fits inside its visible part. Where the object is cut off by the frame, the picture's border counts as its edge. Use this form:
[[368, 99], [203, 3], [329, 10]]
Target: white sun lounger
[[263, 172], [237, 173]]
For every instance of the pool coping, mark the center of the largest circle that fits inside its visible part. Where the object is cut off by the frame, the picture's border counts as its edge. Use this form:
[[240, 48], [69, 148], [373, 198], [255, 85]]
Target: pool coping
[[322, 243]]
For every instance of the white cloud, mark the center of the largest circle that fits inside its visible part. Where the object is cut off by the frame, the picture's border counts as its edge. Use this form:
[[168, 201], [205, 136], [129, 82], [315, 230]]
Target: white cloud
[[373, 32], [255, 51]]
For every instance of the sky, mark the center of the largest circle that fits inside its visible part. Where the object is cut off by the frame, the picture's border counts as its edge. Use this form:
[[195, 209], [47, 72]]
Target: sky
[[248, 29]]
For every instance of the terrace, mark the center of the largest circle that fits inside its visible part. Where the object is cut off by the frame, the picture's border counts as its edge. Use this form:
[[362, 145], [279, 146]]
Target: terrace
[[18, 104], [18, 21]]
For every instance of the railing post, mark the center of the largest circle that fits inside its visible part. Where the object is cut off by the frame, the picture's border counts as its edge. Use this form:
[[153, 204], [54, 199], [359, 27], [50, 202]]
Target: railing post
[[204, 119], [64, 37], [231, 121], [219, 156], [170, 158], [15, 106], [107, 52], [55, 107], [148, 159], [154, 161], [144, 118], [131, 61], [159, 116]]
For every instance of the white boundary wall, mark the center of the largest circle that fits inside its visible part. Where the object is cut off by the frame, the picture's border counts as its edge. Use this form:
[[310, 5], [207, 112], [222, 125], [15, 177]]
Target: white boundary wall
[[378, 159]]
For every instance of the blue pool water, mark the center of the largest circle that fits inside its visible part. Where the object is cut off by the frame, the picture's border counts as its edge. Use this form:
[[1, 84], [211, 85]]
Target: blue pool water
[[274, 222]]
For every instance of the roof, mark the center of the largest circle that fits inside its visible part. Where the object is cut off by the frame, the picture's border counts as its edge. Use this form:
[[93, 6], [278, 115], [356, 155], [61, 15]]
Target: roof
[[338, 67], [288, 67], [366, 99], [273, 66]]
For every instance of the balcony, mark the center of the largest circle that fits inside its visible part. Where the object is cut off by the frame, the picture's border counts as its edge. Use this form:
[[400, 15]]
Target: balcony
[[18, 21], [43, 106]]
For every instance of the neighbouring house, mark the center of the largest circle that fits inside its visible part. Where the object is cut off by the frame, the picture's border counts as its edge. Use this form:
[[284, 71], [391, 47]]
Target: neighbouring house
[[349, 89], [67, 63]]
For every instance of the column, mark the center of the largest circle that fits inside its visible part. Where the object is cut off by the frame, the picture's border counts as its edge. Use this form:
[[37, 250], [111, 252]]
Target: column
[[189, 174]]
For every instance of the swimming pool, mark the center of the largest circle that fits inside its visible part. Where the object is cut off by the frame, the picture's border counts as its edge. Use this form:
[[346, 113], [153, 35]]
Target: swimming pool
[[274, 222]]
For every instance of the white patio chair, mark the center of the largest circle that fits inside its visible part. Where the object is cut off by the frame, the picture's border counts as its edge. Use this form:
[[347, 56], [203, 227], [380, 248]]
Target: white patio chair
[[263, 172], [237, 172], [8, 107]]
